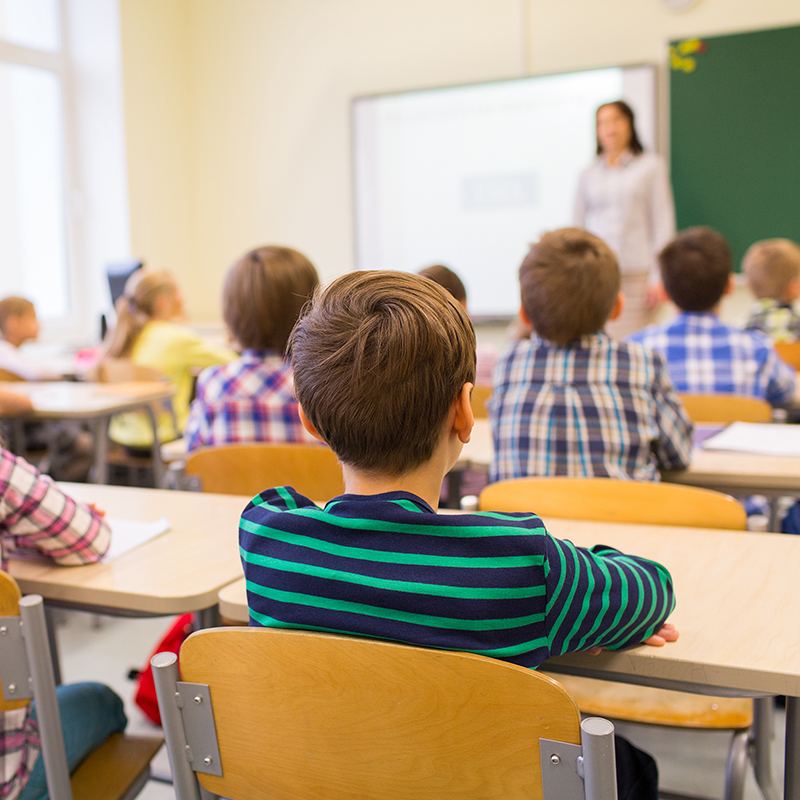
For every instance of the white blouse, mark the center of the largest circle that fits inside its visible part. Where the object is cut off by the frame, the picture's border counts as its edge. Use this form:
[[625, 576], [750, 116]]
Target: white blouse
[[629, 206]]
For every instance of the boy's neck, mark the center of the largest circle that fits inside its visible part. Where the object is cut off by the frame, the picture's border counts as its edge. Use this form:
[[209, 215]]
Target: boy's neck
[[425, 482]]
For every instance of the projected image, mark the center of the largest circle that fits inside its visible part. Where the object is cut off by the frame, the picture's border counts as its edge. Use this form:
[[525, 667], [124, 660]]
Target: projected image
[[470, 176]]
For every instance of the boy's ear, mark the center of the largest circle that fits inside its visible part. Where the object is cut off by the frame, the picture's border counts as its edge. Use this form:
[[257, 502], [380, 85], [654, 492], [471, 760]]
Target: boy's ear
[[307, 424], [523, 317], [731, 287], [465, 418], [619, 306], [793, 290]]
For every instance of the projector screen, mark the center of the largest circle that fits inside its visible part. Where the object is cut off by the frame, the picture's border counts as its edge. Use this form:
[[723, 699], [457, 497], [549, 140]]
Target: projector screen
[[469, 176]]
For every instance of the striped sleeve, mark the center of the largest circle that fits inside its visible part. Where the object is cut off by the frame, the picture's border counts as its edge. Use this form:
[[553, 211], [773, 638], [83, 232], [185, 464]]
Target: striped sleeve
[[601, 597]]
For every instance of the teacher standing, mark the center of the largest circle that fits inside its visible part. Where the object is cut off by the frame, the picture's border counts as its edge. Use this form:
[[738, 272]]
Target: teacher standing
[[624, 197]]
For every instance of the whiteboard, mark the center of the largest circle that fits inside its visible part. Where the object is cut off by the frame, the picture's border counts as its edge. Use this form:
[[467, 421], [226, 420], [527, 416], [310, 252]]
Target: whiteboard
[[470, 176]]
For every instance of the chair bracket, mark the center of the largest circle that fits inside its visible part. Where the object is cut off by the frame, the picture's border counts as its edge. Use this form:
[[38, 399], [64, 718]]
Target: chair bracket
[[562, 770], [202, 747], [14, 669]]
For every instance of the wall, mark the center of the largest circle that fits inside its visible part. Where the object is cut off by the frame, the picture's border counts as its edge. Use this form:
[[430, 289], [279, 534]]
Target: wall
[[238, 110]]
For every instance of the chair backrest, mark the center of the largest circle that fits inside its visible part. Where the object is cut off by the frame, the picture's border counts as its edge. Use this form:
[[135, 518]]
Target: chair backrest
[[789, 352], [721, 408], [606, 499], [313, 470], [302, 714], [9, 607], [480, 394], [10, 377], [123, 370]]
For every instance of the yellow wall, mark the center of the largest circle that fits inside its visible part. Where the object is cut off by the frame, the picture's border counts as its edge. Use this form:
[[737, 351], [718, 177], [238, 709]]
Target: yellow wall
[[238, 110]]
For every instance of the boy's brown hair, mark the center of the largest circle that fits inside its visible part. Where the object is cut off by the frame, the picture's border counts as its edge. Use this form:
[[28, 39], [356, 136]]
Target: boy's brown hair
[[14, 307], [695, 268], [569, 282], [447, 279], [770, 266], [264, 293], [379, 358]]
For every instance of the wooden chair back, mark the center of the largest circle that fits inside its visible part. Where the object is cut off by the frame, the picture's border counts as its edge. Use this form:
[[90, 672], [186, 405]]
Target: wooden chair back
[[9, 607], [723, 408], [123, 370], [789, 352], [10, 377], [480, 394], [606, 499], [247, 469], [300, 713]]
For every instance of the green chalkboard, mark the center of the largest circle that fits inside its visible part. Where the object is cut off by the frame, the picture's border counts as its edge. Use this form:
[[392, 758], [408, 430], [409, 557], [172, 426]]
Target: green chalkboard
[[735, 134]]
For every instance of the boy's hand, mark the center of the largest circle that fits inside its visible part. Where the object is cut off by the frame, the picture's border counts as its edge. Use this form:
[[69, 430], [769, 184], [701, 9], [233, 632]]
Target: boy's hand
[[661, 637], [666, 633]]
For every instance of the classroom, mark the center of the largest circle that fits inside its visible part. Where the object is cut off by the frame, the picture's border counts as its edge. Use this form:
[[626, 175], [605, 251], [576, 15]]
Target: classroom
[[196, 130]]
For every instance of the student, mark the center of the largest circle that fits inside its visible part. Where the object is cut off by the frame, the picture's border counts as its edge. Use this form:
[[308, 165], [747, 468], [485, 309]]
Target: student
[[252, 399], [486, 353], [772, 270], [36, 517], [18, 324], [705, 355], [384, 364], [149, 333], [570, 400]]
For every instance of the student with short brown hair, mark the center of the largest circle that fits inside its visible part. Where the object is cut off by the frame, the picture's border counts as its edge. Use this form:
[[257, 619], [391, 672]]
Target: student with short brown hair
[[705, 355], [252, 399], [19, 324], [570, 400], [772, 270], [383, 365]]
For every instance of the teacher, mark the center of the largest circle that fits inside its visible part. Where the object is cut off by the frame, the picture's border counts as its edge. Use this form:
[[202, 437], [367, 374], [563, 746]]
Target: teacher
[[624, 197]]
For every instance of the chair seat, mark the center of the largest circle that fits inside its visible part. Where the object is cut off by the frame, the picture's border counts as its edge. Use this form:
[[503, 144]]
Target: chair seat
[[657, 706], [115, 769]]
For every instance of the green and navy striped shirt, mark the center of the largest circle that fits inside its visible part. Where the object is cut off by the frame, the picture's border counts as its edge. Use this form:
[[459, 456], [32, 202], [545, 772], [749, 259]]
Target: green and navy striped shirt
[[388, 566]]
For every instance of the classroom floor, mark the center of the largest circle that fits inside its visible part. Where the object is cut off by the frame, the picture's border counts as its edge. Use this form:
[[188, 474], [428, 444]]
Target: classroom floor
[[689, 762]]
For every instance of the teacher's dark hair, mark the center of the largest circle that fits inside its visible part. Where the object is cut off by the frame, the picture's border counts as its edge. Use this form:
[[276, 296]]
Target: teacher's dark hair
[[635, 145]]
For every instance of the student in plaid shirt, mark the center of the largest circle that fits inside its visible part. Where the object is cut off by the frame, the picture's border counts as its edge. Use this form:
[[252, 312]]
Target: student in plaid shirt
[[704, 355], [252, 399], [570, 400], [36, 517], [772, 269]]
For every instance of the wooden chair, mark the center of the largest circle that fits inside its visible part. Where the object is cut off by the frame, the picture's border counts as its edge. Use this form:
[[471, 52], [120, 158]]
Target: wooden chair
[[605, 499], [723, 408], [480, 394], [313, 470], [123, 370], [10, 377], [298, 714], [789, 352], [646, 503], [119, 768]]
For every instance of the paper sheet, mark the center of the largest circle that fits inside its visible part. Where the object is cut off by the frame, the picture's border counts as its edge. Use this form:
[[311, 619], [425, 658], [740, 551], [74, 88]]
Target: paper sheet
[[127, 534], [761, 438]]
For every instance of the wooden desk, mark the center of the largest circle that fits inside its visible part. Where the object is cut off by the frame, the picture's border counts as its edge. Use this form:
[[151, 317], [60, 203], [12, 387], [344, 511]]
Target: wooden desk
[[94, 403], [181, 571], [735, 473], [737, 610]]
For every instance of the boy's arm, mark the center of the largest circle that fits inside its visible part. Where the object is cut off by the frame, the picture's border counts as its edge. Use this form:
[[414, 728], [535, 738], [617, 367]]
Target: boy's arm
[[673, 447], [602, 598], [40, 518]]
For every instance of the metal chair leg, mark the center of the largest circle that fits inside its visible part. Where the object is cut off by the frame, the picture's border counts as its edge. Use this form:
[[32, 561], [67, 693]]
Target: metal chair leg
[[736, 768], [761, 750]]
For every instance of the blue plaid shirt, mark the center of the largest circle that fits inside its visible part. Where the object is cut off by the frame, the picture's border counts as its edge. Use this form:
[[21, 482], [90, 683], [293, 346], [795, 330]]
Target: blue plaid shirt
[[706, 356], [249, 400], [594, 407]]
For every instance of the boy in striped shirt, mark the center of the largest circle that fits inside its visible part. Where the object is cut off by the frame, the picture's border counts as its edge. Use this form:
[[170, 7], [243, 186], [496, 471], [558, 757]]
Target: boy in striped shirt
[[384, 363]]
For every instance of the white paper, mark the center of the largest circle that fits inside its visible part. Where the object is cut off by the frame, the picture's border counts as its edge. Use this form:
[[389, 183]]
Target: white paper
[[127, 534], [761, 438]]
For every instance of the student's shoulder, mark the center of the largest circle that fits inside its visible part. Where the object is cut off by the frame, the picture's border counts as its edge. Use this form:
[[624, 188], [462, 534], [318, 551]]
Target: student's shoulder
[[276, 500]]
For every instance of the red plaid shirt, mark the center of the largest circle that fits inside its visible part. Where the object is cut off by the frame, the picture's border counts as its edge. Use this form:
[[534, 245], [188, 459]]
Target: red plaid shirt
[[37, 517]]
